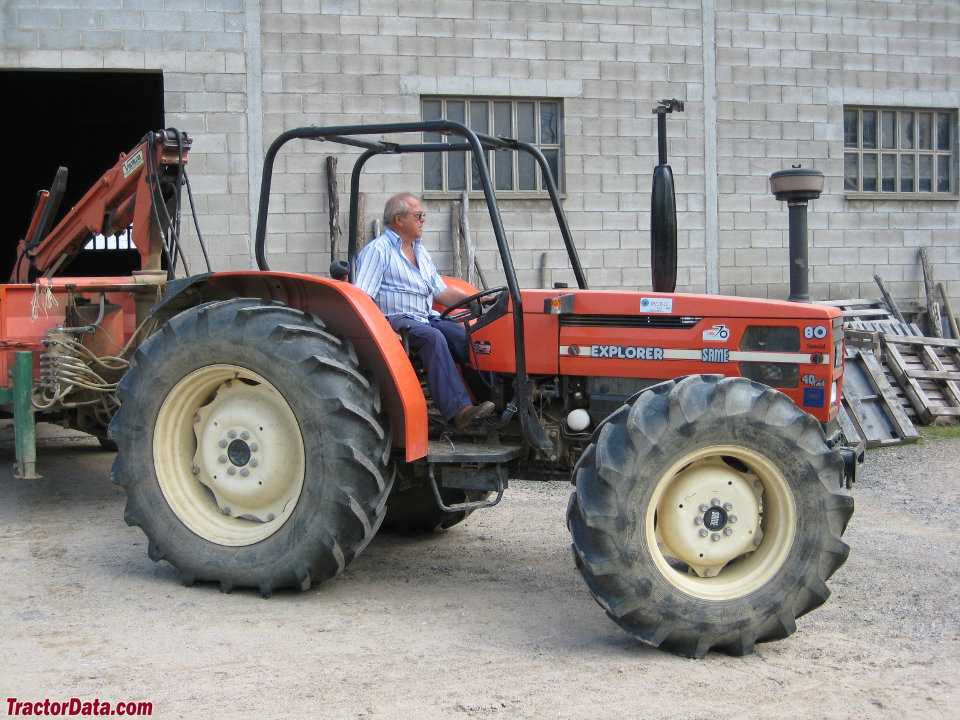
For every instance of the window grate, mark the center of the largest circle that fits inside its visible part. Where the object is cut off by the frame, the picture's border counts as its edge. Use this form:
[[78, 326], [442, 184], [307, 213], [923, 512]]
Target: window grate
[[900, 151], [537, 121]]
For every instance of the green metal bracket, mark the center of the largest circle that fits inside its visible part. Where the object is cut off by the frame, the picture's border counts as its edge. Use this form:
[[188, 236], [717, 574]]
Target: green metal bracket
[[24, 425]]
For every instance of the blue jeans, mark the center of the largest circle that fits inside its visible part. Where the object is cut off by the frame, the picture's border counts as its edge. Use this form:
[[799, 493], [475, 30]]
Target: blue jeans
[[440, 345]]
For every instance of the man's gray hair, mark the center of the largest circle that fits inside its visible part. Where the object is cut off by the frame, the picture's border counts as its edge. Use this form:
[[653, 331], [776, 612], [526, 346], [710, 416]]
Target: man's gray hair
[[397, 205]]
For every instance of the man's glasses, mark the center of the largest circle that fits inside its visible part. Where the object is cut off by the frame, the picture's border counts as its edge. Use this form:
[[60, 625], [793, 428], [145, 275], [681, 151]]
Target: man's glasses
[[420, 215]]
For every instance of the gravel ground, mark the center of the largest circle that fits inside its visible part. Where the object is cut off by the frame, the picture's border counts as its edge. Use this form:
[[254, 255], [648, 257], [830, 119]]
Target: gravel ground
[[488, 620]]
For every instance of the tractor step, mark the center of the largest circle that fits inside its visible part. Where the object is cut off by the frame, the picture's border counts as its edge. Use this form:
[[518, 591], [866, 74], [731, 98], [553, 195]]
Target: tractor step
[[443, 452], [469, 466]]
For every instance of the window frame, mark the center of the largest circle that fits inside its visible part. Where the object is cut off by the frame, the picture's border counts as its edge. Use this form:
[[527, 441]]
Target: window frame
[[888, 153], [494, 158]]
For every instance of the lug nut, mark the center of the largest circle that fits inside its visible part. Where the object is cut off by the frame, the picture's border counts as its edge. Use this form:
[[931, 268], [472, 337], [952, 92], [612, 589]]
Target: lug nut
[[254, 447], [728, 507], [222, 459], [704, 507], [231, 434], [715, 537], [728, 531], [254, 462], [195, 470], [703, 532], [244, 435], [698, 520], [732, 518], [223, 443], [231, 470], [244, 472], [715, 502]]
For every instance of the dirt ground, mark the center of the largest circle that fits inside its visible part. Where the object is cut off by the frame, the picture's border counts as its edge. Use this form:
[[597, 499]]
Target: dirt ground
[[488, 620]]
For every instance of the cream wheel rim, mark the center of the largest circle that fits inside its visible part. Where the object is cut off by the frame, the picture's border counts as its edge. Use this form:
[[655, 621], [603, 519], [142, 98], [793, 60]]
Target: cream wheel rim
[[721, 522], [229, 455]]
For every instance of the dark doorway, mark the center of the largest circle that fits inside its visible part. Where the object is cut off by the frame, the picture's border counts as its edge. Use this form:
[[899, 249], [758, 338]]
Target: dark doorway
[[82, 120]]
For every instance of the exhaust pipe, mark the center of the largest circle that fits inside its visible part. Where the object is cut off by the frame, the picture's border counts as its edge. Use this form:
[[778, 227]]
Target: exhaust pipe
[[795, 187]]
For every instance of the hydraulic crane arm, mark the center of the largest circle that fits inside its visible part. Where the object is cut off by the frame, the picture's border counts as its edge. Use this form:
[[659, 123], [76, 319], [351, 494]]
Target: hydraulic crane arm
[[142, 192]]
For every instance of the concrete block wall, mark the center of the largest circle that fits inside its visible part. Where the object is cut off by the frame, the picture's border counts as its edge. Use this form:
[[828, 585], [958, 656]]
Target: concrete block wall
[[764, 83], [373, 61], [785, 70], [199, 47]]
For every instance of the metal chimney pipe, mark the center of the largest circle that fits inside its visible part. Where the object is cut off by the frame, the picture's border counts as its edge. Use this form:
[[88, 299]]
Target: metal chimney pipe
[[796, 186]]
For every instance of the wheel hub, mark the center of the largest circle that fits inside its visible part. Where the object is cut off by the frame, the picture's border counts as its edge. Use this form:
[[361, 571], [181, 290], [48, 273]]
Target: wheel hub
[[714, 519], [239, 453], [709, 515], [245, 452]]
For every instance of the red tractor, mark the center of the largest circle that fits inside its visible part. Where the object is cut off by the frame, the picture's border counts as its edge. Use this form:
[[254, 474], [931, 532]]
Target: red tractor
[[269, 423]]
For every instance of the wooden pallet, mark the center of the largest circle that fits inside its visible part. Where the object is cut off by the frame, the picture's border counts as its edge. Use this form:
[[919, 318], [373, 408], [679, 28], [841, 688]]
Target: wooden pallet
[[860, 309], [928, 370], [871, 410]]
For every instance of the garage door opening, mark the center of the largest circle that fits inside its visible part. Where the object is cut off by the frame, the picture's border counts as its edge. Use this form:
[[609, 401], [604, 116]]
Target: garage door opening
[[81, 120]]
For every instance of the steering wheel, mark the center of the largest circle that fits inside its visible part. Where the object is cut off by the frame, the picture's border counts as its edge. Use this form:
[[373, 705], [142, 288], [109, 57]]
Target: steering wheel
[[467, 314]]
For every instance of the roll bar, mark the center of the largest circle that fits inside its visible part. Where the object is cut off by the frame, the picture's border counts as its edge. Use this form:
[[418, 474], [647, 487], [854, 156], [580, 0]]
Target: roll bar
[[476, 143]]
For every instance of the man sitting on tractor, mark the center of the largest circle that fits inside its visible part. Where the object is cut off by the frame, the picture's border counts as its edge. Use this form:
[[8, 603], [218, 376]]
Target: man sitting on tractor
[[395, 270]]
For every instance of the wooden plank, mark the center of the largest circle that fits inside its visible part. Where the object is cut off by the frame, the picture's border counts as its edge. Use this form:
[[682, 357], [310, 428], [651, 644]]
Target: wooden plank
[[915, 394], [876, 313], [849, 425], [852, 302], [935, 375], [888, 299], [895, 413], [890, 327], [910, 340]]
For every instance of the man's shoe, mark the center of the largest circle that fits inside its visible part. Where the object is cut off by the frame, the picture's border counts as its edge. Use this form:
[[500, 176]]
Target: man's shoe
[[466, 417]]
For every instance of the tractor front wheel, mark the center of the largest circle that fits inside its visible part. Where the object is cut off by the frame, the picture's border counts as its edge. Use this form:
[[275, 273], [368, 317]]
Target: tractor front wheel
[[707, 515], [251, 447]]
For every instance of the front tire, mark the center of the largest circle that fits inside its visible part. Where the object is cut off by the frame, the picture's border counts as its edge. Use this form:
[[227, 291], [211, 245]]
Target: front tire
[[707, 515], [251, 447]]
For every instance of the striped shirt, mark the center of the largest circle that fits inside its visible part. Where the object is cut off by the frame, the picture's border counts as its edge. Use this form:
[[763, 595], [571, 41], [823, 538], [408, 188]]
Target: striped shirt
[[399, 287]]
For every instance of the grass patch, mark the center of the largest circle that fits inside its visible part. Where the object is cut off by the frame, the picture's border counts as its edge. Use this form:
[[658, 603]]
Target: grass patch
[[947, 432]]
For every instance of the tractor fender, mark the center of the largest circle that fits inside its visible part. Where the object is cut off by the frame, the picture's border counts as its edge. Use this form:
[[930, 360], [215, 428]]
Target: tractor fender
[[348, 312]]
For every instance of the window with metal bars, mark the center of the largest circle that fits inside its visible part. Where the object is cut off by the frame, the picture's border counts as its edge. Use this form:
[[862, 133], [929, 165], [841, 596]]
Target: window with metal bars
[[532, 120], [900, 151]]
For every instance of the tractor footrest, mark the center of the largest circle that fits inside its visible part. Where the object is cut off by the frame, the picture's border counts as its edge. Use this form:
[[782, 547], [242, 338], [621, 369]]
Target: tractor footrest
[[443, 452], [469, 466]]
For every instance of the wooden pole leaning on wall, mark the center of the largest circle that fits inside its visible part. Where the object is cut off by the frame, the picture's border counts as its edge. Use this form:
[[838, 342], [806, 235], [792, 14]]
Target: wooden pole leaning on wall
[[934, 325], [948, 306], [456, 243], [361, 236], [470, 266], [333, 199], [465, 252], [888, 299]]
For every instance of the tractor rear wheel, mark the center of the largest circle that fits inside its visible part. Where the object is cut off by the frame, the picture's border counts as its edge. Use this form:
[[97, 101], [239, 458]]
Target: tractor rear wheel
[[707, 515], [251, 447], [412, 508]]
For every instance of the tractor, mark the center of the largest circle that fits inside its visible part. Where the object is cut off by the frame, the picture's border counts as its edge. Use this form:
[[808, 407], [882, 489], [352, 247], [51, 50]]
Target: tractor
[[268, 424]]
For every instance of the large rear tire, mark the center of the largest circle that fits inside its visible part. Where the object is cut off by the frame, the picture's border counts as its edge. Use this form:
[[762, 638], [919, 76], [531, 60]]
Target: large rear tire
[[412, 508], [707, 515], [251, 447]]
